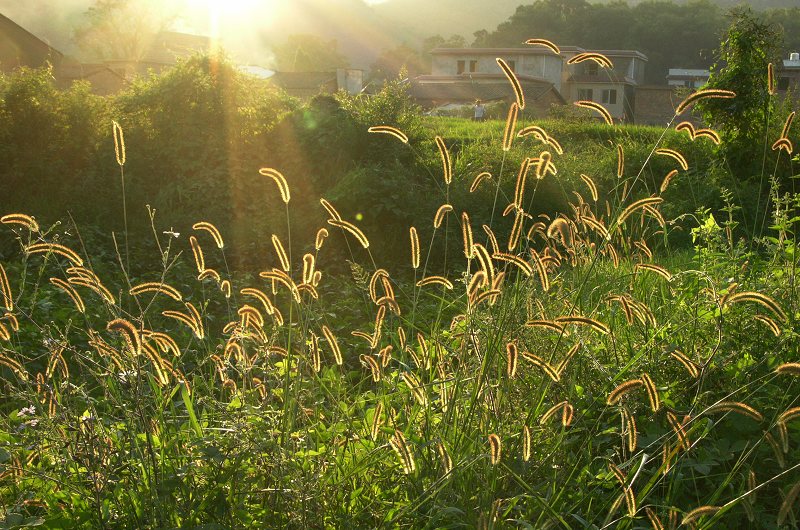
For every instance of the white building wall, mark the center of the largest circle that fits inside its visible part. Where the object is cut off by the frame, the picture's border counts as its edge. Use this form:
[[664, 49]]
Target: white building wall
[[617, 110], [350, 79], [542, 66]]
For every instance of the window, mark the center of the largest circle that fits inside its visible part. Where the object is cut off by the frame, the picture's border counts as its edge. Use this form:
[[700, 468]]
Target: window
[[473, 66], [460, 67], [610, 96], [512, 65], [783, 83], [590, 68], [585, 94]]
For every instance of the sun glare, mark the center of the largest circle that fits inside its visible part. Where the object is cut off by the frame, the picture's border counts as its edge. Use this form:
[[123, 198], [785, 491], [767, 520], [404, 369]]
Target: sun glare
[[223, 20], [229, 7]]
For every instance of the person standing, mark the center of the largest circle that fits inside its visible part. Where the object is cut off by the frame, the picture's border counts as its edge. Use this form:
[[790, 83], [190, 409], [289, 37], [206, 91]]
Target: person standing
[[479, 111]]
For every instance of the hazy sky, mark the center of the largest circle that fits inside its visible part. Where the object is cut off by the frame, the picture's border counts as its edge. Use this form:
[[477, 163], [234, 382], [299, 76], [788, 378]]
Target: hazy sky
[[247, 28]]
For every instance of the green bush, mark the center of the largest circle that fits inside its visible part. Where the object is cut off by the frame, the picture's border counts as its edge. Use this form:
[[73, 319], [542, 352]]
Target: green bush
[[196, 135], [49, 145]]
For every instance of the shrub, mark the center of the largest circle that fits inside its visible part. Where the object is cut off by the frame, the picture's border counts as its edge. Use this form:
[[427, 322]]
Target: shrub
[[49, 140]]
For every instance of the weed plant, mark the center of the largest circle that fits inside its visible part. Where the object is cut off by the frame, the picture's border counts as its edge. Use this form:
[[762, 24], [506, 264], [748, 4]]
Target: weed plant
[[566, 370]]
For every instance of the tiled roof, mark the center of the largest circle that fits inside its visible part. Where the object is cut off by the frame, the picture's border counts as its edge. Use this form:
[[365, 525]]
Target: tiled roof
[[84, 70], [687, 72], [528, 50], [478, 77], [28, 40], [302, 80], [621, 53], [535, 50]]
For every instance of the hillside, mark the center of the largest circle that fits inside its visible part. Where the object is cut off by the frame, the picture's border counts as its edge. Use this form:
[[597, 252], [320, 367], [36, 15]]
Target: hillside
[[422, 18]]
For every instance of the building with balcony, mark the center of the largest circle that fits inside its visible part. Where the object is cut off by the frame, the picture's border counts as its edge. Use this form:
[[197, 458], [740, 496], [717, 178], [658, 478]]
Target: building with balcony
[[687, 77], [462, 75]]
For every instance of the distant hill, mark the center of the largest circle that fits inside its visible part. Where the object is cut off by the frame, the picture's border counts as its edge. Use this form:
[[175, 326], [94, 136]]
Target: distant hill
[[363, 30], [359, 32], [416, 19]]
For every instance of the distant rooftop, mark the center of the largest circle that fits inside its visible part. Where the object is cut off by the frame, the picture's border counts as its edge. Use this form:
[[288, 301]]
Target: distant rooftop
[[530, 50], [167, 46], [621, 53], [258, 71], [295, 80], [687, 72], [478, 76], [535, 50]]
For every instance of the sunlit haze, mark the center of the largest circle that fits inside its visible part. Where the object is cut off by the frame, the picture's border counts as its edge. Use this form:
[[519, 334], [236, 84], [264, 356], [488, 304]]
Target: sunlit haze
[[249, 28]]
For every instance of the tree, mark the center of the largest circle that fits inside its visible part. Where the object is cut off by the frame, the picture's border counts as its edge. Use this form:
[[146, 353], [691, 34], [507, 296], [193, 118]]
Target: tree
[[685, 36], [481, 39], [308, 53], [437, 41], [742, 61], [390, 62], [789, 21], [123, 29], [414, 61]]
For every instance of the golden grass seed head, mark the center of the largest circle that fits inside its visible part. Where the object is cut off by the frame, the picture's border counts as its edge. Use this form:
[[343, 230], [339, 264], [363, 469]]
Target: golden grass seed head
[[352, 229], [392, 131], [697, 513], [496, 448], [597, 108], [334, 345], [511, 124], [119, 142], [21, 219], [280, 180], [447, 163], [703, 94], [515, 85], [211, 229], [546, 43], [412, 232], [623, 388], [511, 360]]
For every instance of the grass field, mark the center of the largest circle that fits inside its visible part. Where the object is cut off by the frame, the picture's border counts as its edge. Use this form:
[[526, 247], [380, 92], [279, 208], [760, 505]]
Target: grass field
[[566, 369]]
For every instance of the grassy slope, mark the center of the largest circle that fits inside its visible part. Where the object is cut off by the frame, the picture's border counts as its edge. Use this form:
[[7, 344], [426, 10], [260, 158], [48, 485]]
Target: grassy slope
[[256, 434]]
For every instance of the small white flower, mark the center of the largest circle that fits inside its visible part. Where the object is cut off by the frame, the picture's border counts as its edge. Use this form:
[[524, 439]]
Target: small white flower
[[27, 411], [124, 376]]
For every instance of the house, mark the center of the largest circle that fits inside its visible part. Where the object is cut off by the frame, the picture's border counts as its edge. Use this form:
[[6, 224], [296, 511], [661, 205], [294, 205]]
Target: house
[[539, 97], [305, 85], [656, 104], [163, 51], [686, 77], [613, 88], [789, 76], [20, 48], [103, 80], [462, 75]]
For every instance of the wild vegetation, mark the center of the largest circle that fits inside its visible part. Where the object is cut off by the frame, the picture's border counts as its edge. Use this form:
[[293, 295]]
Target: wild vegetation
[[685, 37], [551, 324]]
